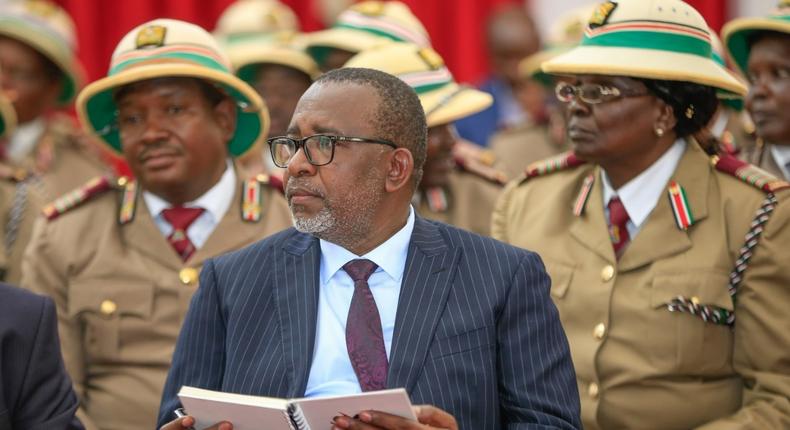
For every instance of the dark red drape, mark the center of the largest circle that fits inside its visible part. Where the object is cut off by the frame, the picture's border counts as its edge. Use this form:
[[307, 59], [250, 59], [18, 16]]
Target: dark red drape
[[456, 27]]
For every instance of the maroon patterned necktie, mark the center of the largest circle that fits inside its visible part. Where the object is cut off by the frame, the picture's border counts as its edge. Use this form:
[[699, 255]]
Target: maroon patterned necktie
[[618, 231], [181, 218], [364, 337]]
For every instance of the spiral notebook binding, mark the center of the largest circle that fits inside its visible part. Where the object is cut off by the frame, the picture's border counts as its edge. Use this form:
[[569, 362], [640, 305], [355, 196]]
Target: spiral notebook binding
[[296, 418]]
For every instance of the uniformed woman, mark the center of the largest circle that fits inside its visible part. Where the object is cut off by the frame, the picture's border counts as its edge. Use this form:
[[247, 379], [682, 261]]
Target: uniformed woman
[[760, 47], [668, 259]]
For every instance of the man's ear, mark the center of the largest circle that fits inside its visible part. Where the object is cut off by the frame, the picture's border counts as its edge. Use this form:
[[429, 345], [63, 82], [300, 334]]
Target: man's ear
[[399, 170], [225, 115]]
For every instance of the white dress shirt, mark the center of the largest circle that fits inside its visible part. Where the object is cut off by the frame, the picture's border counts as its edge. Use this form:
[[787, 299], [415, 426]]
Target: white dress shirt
[[331, 372], [216, 202], [781, 155], [24, 139], [640, 195]]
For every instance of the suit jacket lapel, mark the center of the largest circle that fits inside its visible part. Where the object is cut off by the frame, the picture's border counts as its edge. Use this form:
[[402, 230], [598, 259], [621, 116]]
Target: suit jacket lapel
[[428, 277], [660, 236], [296, 288]]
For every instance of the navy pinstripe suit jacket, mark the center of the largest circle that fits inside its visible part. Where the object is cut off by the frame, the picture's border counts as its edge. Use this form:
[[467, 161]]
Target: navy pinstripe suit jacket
[[35, 390], [476, 332]]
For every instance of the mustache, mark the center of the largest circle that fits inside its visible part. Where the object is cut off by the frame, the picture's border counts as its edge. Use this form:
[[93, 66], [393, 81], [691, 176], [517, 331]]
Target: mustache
[[295, 185], [160, 147]]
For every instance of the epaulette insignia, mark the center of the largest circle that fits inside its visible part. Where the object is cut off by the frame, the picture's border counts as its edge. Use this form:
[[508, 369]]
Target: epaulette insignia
[[479, 169], [749, 173], [13, 174], [273, 181], [252, 198], [128, 206], [75, 198], [437, 199], [584, 195], [602, 13], [680, 206], [563, 161]]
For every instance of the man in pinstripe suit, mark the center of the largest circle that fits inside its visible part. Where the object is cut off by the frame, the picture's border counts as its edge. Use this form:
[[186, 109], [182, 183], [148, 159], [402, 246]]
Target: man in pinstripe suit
[[464, 322]]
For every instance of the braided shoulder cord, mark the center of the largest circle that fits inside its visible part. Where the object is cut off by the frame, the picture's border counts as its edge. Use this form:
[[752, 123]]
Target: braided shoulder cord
[[715, 314]]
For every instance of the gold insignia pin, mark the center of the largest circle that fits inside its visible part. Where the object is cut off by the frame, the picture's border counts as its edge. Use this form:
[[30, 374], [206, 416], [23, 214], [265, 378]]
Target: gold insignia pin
[[371, 8], [188, 276], [602, 13], [431, 58], [153, 35]]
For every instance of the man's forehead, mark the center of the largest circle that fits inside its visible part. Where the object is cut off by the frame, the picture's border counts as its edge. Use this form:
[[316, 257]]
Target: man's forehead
[[335, 105], [158, 86]]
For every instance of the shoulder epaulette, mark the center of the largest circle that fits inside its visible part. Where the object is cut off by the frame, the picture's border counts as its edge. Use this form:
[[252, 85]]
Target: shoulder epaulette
[[73, 199], [273, 181], [480, 170], [13, 174], [564, 161], [749, 173], [473, 153]]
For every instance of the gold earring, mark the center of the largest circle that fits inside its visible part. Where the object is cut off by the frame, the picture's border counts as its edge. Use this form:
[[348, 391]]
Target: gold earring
[[659, 131], [690, 111]]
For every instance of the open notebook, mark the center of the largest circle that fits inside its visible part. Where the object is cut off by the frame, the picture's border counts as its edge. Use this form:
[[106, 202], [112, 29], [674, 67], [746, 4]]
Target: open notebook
[[257, 413]]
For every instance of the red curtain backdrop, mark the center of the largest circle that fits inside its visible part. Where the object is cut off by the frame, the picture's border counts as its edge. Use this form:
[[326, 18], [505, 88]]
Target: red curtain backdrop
[[456, 27]]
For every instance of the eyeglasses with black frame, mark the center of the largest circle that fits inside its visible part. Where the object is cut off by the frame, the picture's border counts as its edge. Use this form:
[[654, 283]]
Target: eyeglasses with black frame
[[593, 93], [319, 149]]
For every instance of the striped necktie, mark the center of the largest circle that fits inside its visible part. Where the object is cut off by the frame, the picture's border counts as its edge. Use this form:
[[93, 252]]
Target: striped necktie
[[181, 218]]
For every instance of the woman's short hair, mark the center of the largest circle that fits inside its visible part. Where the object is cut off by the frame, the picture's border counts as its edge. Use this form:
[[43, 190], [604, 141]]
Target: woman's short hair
[[693, 104]]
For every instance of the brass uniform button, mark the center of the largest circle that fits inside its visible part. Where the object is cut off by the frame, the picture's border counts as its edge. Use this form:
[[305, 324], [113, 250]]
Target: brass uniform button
[[592, 390], [607, 273], [122, 181], [188, 276], [108, 307], [599, 331]]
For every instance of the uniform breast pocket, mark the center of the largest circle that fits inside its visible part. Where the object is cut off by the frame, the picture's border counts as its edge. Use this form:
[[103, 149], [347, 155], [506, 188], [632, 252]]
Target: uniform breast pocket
[[691, 309], [104, 308]]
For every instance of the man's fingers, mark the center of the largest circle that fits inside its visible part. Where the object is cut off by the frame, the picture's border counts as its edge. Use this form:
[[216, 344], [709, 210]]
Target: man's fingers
[[179, 424], [435, 417]]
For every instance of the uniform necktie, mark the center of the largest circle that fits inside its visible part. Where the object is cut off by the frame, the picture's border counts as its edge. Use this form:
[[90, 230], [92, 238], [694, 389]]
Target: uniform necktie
[[618, 232], [181, 218], [364, 337]]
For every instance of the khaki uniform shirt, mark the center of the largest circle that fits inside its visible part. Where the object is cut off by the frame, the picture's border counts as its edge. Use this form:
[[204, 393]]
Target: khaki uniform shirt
[[515, 149], [466, 202], [122, 292], [59, 163], [761, 156], [638, 365]]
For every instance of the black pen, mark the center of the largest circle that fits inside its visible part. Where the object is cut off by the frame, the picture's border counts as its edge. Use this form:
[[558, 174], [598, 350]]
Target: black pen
[[180, 413]]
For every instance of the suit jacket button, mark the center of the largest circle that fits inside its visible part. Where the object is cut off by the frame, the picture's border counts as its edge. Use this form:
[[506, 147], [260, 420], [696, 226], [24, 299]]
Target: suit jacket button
[[108, 307], [607, 273], [188, 276]]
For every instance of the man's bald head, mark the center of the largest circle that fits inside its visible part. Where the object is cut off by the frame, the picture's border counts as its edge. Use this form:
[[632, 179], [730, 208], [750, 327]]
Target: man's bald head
[[511, 36]]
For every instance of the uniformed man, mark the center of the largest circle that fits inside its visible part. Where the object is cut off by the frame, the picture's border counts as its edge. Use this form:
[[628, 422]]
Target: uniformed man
[[365, 25], [262, 41], [45, 156], [668, 259], [455, 190], [121, 258], [517, 147], [760, 47]]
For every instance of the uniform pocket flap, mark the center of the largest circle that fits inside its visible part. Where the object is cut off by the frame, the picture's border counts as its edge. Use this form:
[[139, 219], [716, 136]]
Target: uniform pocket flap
[[108, 298], [703, 288]]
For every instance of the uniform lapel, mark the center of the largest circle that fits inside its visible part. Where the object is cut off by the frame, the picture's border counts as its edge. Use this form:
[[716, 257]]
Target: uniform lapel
[[142, 234], [230, 234], [590, 228], [296, 288], [428, 277], [660, 236]]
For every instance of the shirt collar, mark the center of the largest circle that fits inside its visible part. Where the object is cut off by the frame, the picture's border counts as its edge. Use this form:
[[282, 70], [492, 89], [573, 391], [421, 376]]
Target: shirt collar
[[390, 256], [781, 154], [216, 201], [640, 195], [25, 138]]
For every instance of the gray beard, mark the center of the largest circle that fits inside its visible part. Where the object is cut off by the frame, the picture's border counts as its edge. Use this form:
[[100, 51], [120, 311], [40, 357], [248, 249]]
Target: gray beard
[[323, 222]]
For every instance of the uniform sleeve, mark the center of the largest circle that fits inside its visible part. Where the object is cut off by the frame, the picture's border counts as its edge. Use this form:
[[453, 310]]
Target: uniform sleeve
[[199, 357], [43, 272], [499, 218], [537, 380], [761, 352]]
